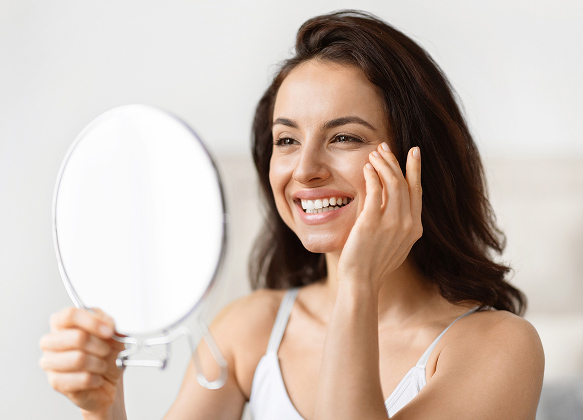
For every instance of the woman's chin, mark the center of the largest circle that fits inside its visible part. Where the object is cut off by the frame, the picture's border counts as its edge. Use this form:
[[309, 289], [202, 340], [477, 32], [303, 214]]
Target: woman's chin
[[322, 246]]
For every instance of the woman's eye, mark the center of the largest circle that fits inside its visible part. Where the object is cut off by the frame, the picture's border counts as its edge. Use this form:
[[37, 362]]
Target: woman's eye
[[286, 141], [343, 138]]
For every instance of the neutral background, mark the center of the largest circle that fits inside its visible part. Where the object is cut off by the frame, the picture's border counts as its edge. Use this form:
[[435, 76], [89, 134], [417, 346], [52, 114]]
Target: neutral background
[[515, 64]]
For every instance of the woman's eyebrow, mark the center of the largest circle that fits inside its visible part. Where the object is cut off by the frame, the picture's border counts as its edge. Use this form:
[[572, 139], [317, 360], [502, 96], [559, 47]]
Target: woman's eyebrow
[[337, 122], [286, 122]]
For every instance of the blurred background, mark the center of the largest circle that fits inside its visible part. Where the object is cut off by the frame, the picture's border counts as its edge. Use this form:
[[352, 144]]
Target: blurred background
[[516, 66]]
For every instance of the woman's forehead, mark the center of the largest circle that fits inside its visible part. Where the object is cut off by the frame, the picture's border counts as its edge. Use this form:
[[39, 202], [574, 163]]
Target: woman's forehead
[[321, 90]]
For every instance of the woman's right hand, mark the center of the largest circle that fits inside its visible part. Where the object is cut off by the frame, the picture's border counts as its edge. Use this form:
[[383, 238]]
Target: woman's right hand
[[79, 358]]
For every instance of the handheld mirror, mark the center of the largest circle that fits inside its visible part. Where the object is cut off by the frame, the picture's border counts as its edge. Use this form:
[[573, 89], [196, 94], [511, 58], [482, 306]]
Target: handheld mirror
[[139, 228]]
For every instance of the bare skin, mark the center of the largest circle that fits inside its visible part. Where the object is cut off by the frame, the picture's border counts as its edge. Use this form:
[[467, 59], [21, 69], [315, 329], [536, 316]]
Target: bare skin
[[352, 337]]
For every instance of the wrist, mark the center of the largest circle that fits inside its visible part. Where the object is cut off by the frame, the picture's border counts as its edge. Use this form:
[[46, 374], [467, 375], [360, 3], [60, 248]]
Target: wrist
[[109, 414], [115, 411], [92, 415], [357, 294], [358, 288]]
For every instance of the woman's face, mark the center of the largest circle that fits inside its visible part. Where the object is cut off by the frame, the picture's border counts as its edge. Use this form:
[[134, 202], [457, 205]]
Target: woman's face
[[327, 118]]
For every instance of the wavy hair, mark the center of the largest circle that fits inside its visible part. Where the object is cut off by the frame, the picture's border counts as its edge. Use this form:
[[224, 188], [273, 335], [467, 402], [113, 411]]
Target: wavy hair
[[460, 236]]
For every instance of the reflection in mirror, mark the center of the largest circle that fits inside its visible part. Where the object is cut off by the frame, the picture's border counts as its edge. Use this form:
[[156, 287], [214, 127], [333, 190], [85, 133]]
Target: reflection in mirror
[[139, 222]]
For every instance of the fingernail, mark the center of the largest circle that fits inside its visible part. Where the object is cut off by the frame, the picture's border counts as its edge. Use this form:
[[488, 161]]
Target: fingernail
[[416, 153], [375, 153], [369, 166], [385, 146], [105, 330]]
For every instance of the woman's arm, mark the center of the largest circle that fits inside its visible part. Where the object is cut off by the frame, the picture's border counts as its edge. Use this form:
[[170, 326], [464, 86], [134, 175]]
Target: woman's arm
[[227, 403], [349, 385], [379, 242], [241, 330]]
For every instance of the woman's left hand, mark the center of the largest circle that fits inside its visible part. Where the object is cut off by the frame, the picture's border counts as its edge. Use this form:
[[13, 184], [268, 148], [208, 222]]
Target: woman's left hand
[[390, 221]]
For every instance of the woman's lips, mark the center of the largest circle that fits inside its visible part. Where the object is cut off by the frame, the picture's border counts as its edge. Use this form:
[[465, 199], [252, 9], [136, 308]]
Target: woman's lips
[[318, 218]]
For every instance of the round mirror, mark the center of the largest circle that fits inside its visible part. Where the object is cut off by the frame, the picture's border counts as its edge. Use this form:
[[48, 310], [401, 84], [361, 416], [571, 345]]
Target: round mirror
[[139, 221]]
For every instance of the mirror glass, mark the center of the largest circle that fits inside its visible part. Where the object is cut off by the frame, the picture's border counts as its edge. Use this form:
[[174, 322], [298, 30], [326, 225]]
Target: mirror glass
[[139, 221]]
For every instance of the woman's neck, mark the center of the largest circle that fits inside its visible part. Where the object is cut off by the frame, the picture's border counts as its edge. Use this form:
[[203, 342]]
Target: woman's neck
[[404, 292]]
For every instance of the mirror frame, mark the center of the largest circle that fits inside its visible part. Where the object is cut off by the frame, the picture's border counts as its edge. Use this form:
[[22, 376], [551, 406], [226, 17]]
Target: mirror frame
[[62, 269]]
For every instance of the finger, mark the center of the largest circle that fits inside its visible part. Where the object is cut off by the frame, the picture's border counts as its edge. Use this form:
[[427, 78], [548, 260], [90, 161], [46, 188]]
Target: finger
[[413, 176], [72, 361], [75, 339], [103, 316], [75, 381], [393, 163], [394, 185], [391, 159], [80, 318], [373, 200]]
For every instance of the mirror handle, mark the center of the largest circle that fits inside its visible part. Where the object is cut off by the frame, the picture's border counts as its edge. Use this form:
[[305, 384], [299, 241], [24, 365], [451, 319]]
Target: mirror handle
[[217, 355], [135, 345], [212, 345]]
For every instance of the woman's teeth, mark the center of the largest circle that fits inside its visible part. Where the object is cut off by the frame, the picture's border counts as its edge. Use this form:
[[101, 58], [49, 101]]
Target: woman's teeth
[[324, 204]]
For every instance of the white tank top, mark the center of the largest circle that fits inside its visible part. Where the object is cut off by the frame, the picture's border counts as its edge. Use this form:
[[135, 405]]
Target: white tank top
[[269, 399]]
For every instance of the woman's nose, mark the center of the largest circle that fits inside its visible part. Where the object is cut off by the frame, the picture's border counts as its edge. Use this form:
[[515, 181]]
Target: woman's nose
[[311, 167]]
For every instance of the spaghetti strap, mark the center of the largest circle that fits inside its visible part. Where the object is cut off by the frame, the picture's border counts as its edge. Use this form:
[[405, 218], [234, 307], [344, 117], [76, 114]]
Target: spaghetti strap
[[423, 361], [281, 320]]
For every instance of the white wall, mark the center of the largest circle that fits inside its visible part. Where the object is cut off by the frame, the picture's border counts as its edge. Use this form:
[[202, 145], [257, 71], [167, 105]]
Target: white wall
[[515, 64]]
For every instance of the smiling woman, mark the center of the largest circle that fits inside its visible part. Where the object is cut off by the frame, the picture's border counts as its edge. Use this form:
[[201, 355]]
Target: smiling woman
[[325, 126], [379, 294], [356, 91], [407, 102]]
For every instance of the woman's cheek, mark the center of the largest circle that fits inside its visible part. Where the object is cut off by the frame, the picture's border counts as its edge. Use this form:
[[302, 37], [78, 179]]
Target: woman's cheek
[[279, 177]]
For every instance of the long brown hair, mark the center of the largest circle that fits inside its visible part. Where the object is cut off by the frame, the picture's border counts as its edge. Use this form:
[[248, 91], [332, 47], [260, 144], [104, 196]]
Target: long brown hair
[[460, 235]]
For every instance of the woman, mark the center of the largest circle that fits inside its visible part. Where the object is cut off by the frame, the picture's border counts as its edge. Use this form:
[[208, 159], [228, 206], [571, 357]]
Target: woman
[[359, 280]]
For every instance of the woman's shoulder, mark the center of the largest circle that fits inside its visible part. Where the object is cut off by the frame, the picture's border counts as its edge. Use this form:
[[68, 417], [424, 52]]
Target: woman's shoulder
[[248, 321], [494, 338], [489, 359], [259, 307], [500, 325]]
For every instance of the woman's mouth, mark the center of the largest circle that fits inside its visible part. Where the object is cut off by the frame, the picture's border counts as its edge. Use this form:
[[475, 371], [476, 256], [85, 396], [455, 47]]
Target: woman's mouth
[[321, 205], [326, 211]]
